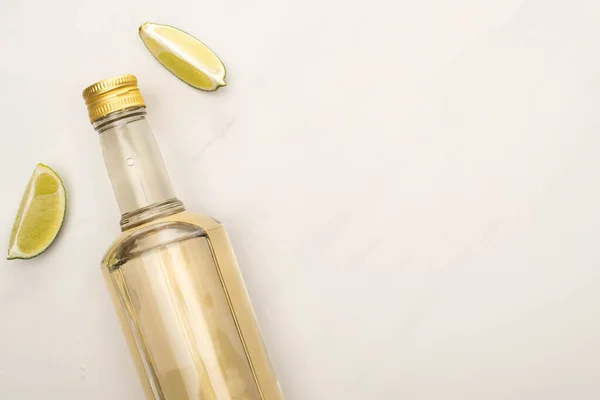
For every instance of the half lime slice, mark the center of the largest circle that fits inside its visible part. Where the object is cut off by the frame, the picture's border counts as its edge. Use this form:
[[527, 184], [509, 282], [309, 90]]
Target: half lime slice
[[185, 56], [40, 216]]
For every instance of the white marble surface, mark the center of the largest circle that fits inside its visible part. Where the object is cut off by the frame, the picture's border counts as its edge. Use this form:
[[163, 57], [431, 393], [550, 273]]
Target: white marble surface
[[411, 188]]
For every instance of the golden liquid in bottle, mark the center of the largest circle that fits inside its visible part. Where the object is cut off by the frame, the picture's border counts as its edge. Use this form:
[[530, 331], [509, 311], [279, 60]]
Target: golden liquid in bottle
[[185, 311]]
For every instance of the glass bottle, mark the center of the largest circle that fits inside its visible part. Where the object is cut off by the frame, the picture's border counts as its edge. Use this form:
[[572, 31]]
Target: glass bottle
[[172, 274]]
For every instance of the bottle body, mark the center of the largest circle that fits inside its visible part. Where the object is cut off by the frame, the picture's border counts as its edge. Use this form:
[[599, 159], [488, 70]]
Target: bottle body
[[186, 313]]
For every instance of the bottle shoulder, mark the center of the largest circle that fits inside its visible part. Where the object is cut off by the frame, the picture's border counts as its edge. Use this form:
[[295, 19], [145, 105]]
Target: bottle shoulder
[[156, 233]]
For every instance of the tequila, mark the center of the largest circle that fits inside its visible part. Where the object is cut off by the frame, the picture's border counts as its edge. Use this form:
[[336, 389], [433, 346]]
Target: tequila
[[172, 274]]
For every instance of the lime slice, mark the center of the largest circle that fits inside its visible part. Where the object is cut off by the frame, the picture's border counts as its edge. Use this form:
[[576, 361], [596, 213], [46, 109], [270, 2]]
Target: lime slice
[[185, 56], [40, 215]]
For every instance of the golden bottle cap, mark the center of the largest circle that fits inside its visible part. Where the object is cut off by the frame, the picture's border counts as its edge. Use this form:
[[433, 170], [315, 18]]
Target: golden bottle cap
[[112, 94]]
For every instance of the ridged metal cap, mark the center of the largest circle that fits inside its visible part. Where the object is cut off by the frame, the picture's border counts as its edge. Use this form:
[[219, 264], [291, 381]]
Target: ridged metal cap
[[112, 94]]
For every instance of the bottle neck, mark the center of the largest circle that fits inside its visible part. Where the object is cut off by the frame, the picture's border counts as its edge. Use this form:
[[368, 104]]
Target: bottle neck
[[136, 169]]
